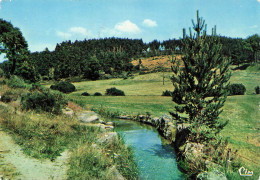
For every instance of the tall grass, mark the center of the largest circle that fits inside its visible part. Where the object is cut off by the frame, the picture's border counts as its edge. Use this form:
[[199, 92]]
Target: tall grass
[[43, 135], [90, 162]]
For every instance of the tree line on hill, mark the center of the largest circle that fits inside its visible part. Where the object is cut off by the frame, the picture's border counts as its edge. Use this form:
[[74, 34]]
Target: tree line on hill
[[92, 58]]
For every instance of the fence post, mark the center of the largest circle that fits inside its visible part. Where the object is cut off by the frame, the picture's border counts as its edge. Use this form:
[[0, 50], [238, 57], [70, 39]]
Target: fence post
[[228, 163]]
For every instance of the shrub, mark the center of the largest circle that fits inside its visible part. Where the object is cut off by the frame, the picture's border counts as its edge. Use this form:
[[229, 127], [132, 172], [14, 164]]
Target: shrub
[[3, 82], [16, 82], [85, 94], [36, 86], [9, 96], [167, 93], [257, 90], [107, 76], [114, 92], [1, 73], [97, 94], [236, 89], [43, 101], [142, 72], [64, 86]]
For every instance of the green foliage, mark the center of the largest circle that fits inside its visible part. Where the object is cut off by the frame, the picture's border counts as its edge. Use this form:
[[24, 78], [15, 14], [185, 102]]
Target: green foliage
[[123, 156], [85, 94], [16, 82], [9, 96], [1, 72], [3, 82], [89, 162], [97, 94], [104, 112], [64, 86], [252, 43], [114, 92], [257, 89], [205, 73], [92, 69], [167, 93], [45, 135], [236, 89], [15, 47], [27, 71], [43, 101]]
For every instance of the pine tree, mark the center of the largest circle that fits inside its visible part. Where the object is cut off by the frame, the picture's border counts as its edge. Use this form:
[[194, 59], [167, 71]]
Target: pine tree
[[199, 80]]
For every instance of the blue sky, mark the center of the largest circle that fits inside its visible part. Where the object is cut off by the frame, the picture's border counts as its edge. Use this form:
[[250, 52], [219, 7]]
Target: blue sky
[[44, 23]]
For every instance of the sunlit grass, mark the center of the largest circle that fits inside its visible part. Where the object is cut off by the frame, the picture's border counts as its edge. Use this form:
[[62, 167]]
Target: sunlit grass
[[243, 113], [143, 94], [148, 84]]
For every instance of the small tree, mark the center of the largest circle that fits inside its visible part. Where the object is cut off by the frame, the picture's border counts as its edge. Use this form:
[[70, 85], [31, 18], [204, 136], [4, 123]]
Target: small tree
[[252, 43], [92, 69], [204, 73]]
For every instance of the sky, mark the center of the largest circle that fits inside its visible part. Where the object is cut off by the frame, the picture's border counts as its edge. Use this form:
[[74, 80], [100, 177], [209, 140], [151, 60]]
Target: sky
[[44, 23]]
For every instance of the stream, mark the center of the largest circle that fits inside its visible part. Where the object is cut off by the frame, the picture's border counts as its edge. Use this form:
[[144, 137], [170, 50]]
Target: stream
[[154, 156]]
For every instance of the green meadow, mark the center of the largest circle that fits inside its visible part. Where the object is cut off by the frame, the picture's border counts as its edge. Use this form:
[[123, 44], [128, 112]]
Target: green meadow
[[143, 94]]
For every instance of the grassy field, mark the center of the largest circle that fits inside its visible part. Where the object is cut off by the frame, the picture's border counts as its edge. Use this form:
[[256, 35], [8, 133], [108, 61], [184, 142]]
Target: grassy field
[[143, 94], [148, 84]]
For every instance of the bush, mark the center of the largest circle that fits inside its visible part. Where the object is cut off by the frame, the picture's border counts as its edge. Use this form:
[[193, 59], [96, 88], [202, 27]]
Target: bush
[[3, 82], [9, 96], [167, 93], [257, 90], [85, 94], [236, 89], [64, 86], [107, 76], [114, 92], [43, 101], [36, 86], [143, 72], [97, 94], [16, 82], [1, 73]]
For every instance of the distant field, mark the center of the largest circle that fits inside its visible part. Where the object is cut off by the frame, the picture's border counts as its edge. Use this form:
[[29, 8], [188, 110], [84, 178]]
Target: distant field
[[148, 84], [153, 62], [143, 94]]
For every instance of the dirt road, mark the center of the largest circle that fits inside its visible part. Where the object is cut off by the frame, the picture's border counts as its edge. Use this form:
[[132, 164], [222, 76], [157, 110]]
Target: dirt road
[[28, 168]]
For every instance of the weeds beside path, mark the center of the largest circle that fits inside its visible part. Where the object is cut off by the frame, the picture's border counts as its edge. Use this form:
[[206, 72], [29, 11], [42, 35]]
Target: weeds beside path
[[28, 167]]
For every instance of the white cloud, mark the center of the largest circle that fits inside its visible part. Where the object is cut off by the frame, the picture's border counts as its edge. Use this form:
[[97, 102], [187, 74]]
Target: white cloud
[[258, 1], [254, 26], [63, 34], [74, 33], [149, 23], [127, 27], [80, 30]]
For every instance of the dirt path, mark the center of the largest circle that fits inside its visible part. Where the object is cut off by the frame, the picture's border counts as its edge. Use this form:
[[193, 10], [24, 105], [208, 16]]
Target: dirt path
[[28, 167]]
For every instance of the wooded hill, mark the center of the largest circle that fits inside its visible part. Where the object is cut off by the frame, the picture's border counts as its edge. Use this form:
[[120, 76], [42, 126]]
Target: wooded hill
[[92, 59]]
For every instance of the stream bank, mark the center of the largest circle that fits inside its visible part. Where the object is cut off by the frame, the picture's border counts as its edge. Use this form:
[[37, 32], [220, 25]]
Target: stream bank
[[154, 155], [187, 153]]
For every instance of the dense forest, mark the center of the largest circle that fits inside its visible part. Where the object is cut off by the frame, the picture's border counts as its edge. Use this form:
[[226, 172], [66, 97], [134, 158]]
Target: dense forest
[[94, 58]]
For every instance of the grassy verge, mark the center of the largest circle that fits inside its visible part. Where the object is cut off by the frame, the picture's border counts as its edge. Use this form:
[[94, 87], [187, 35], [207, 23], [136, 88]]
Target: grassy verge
[[243, 129], [45, 135], [88, 162]]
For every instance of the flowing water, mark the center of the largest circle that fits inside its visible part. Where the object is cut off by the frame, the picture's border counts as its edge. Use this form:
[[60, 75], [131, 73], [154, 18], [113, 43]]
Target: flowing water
[[155, 157]]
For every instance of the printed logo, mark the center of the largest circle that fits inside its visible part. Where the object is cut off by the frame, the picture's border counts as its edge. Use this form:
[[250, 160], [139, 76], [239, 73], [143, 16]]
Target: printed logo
[[244, 172]]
